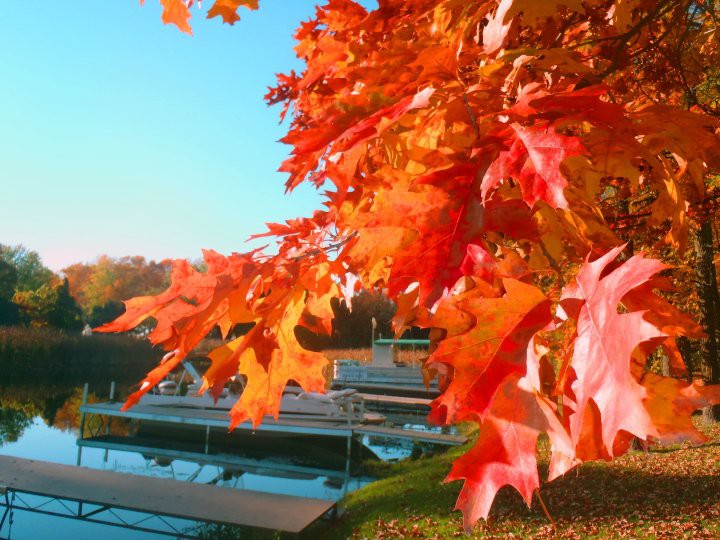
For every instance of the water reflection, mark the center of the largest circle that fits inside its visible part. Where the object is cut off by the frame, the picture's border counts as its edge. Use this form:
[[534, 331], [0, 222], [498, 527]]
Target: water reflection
[[13, 423], [19, 407], [54, 406], [277, 465], [42, 422]]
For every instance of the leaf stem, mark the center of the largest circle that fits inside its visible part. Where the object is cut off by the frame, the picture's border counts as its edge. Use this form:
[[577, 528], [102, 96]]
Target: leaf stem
[[547, 513]]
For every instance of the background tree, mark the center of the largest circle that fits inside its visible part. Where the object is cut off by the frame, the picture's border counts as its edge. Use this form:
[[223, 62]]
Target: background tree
[[9, 313], [100, 315], [31, 272], [50, 305], [99, 287], [353, 328], [8, 280]]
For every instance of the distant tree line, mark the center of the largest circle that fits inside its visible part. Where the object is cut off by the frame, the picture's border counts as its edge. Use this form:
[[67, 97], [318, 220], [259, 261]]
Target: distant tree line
[[93, 293], [100, 287], [85, 293], [33, 295]]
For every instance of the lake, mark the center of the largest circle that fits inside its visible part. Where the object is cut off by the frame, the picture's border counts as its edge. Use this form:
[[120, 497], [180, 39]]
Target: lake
[[41, 421]]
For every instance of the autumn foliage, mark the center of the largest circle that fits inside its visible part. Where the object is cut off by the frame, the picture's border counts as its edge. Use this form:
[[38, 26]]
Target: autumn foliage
[[469, 151]]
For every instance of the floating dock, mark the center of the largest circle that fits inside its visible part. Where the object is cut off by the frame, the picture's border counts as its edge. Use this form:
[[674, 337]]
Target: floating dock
[[195, 502], [283, 427]]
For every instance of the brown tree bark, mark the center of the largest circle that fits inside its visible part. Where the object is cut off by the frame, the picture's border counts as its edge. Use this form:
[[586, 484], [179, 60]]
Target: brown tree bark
[[709, 309]]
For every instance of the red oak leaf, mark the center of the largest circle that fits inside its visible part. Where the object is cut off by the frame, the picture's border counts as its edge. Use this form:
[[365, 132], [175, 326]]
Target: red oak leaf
[[494, 347], [670, 404], [497, 29], [533, 158], [504, 453], [605, 343]]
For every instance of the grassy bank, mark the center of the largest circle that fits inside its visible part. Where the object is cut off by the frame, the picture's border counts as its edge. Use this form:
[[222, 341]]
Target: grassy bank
[[665, 493], [42, 353]]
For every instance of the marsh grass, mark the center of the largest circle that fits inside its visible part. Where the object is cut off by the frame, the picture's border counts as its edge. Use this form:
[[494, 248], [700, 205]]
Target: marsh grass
[[43, 353], [411, 357]]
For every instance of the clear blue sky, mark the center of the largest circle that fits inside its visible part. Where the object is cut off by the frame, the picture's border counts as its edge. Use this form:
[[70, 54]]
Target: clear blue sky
[[123, 136]]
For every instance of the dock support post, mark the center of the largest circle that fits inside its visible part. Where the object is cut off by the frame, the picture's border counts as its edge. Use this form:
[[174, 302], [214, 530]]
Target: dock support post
[[348, 453], [109, 418], [207, 439], [8, 513], [182, 378], [82, 422]]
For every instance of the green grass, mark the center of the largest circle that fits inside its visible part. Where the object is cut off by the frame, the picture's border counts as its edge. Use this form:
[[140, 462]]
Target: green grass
[[667, 493]]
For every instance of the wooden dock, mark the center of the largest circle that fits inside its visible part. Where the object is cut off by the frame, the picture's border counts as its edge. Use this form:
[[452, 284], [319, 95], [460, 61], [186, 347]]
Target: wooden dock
[[195, 502], [282, 427]]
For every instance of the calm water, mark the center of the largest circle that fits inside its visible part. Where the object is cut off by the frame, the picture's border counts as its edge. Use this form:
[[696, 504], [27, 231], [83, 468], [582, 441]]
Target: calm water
[[41, 422]]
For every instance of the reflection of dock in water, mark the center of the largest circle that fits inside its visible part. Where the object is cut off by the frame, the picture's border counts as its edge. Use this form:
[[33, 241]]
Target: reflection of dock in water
[[164, 452]]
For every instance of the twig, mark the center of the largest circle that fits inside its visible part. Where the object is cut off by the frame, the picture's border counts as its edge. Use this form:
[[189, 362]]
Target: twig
[[472, 116], [330, 247]]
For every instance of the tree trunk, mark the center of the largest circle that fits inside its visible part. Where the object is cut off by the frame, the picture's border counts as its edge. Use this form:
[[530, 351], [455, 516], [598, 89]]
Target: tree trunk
[[709, 309]]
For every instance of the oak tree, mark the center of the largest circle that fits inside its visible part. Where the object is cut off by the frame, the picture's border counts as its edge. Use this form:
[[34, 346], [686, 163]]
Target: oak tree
[[468, 152]]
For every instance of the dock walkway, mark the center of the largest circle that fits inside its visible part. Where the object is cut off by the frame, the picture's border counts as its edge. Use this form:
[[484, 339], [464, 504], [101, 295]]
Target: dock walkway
[[196, 502]]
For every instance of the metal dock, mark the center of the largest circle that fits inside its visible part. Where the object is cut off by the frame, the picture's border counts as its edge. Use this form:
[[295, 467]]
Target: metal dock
[[94, 494]]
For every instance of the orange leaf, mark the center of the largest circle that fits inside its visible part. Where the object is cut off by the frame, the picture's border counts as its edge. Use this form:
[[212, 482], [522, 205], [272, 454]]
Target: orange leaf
[[227, 9], [176, 12]]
